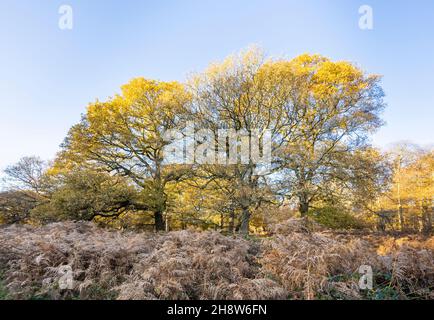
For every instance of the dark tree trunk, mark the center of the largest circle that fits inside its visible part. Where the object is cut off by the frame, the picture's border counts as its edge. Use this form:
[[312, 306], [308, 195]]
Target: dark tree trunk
[[232, 222], [429, 222], [160, 207], [381, 226], [303, 207], [426, 220], [245, 221], [159, 221]]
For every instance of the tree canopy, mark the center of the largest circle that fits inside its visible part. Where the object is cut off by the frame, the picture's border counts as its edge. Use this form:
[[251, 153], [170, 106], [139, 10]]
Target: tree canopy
[[253, 134]]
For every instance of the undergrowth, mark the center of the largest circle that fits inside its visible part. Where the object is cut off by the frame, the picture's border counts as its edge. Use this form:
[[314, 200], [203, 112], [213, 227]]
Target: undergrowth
[[296, 261]]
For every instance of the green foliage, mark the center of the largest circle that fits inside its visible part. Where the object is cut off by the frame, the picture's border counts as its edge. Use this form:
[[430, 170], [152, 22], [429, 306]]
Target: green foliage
[[336, 218], [84, 195], [3, 290], [383, 293], [15, 206]]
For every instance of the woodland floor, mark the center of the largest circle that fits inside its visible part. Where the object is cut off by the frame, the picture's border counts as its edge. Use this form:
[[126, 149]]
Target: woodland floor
[[294, 262]]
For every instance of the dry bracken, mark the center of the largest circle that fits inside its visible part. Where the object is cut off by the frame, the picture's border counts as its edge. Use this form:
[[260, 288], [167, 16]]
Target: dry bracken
[[297, 261]]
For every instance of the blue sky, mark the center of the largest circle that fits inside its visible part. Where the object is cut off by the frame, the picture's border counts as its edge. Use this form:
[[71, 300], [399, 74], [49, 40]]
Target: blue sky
[[48, 75]]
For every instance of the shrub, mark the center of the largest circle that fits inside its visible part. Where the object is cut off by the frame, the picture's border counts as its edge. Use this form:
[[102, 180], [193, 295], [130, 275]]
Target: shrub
[[84, 195], [335, 218], [15, 206], [34, 257], [205, 265], [298, 261], [318, 264], [110, 264]]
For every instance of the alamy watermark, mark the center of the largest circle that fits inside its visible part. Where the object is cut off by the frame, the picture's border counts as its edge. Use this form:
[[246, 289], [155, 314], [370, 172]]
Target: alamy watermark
[[366, 277], [66, 19], [66, 280], [366, 20], [223, 147]]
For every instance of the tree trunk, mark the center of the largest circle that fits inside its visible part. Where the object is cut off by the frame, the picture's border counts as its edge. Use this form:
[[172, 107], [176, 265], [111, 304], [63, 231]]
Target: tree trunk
[[426, 218], [245, 220], [160, 206], [167, 222], [232, 222], [401, 218], [400, 210], [159, 221], [303, 206], [429, 222], [381, 226]]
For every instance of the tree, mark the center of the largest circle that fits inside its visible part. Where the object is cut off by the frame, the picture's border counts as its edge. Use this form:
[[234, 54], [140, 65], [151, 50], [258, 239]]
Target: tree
[[357, 180], [86, 195], [304, 123], [27, 174], [314, 110], [410, 191], [401, 155], [418, 187], [198, 204], [248, 95], [27, 187], [337, 106], [16, 206], [126, 136]]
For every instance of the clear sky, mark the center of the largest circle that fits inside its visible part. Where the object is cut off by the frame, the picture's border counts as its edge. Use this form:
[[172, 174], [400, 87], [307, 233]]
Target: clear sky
[[49, 75]]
